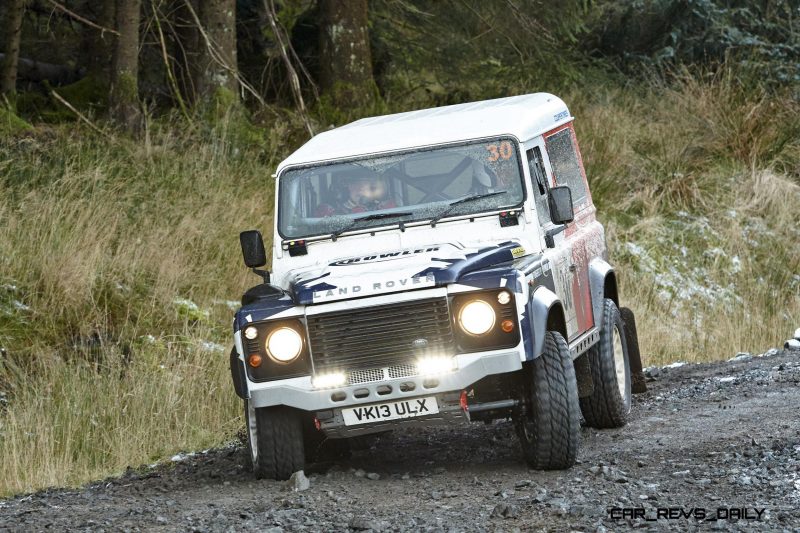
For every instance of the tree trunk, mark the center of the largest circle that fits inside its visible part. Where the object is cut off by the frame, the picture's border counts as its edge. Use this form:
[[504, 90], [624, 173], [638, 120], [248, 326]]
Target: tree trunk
[[96, 45], [216, 81], [345, 58], [13, 31], [125, 75]]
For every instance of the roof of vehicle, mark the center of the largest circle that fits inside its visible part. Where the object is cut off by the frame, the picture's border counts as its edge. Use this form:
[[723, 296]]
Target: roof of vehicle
[[524, 117]]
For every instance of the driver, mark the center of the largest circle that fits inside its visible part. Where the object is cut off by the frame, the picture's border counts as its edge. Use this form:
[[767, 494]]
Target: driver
[[361, 192]]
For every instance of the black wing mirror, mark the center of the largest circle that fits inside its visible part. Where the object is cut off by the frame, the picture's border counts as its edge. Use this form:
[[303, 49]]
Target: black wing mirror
[[559, 200], [253, 248]]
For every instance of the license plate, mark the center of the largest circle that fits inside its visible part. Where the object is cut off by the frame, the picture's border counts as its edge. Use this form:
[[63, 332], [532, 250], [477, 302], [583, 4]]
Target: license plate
[[390, 411]]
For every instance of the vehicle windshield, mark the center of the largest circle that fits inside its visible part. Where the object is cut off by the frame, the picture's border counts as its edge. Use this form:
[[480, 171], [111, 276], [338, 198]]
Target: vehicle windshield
[[400, 188]]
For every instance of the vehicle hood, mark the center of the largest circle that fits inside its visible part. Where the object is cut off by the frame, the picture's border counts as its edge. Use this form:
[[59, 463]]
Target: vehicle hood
[[396, 271]]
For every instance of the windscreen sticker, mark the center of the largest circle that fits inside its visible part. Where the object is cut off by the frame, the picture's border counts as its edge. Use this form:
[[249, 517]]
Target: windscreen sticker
[[388, 256], [502, 151]]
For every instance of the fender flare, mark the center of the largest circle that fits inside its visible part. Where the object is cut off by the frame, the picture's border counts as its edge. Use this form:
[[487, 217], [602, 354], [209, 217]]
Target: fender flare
[[238, 375], [547, 313], [602, 285]]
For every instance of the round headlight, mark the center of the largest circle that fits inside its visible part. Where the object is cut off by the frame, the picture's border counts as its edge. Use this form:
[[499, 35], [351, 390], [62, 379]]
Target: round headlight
[[284, 344], [477, 317]]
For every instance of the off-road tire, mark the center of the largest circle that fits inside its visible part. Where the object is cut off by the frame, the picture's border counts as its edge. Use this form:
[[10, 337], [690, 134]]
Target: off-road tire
[[607, 406], [275, 440], [548, 422]]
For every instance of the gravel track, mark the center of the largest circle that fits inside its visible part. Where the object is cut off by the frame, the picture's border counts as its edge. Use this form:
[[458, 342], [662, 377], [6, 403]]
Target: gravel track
[[718, 435]]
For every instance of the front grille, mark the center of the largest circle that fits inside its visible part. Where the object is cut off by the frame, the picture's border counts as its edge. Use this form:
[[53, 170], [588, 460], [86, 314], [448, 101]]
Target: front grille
[[380, 336], [365, 376], [402, 371], [379, 374]]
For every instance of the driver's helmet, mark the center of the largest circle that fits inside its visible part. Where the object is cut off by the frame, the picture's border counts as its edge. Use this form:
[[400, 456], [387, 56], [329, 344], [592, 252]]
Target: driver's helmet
[[364, 188]]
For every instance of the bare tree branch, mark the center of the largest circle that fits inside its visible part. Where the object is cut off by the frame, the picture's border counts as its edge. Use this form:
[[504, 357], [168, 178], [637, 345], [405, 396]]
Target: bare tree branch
[[212, 48], [79, 18], [80, 115], [167, 64], [294, 81]]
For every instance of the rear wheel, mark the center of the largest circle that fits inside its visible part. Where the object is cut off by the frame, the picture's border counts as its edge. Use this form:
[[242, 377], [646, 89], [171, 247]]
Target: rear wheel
[[610, 402], [275, 438], [548, 422]]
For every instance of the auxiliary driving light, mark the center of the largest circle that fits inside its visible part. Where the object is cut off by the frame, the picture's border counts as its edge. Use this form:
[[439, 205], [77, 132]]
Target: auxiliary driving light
[[477, 317], [431, 366], [284, 344], [251, 333], [503, 297], [327, 381]]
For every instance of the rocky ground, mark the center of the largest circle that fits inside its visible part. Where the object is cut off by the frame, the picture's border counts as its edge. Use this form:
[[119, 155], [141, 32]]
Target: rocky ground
[[707, 438]]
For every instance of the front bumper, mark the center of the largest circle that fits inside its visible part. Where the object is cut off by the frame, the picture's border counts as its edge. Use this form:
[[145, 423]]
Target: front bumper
[[299, 393]]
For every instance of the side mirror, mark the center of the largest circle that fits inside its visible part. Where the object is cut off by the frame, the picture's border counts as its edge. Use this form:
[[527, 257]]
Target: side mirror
[[253, 248], [559, 200]]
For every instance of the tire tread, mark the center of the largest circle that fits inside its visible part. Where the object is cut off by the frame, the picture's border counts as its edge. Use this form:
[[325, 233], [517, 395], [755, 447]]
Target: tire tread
[[605, 407], [280, 443], [550, 432]]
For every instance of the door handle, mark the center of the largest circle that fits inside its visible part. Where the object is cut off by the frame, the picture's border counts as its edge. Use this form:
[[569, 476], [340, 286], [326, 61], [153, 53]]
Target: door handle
[[573, 268]]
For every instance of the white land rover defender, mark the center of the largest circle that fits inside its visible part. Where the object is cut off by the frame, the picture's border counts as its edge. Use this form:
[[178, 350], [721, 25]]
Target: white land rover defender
[[428, 267]]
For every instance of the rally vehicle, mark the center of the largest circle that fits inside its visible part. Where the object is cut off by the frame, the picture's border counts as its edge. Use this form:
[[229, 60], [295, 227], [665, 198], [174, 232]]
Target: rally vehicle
[[431, 267]]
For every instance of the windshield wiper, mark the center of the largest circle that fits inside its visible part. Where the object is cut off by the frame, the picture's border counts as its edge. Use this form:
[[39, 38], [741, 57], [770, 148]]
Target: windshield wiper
[[379, 216], [449, 209], [375, 216]]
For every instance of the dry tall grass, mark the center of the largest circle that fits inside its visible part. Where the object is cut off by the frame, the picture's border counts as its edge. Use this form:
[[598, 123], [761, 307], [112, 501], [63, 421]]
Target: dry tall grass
[[699, 182], [106, 366]]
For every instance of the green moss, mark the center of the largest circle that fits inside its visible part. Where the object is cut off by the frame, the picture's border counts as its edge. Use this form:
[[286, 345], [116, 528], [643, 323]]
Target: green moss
[[32, 104], [11, 124], [226, 118], [88, 94], [223, 98], [125, 88], [345, 103]]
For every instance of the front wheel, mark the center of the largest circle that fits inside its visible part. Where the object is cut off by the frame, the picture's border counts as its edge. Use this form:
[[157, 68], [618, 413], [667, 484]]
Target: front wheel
[[610, 402], [548, 422], [275, 438]]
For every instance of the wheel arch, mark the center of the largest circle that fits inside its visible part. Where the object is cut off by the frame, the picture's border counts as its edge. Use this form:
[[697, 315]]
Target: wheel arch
[[547, 314], [602, 284], [238, 375]]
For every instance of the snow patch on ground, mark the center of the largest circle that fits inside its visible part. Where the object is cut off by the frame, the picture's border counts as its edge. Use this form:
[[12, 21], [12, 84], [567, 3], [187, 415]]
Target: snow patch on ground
[[211, 347], [189, 309], [19, 306], [177, 458], [233, 305]]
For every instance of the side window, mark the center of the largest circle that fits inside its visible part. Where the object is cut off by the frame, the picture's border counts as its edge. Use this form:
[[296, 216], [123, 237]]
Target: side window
[[566, 166], [540, 187]]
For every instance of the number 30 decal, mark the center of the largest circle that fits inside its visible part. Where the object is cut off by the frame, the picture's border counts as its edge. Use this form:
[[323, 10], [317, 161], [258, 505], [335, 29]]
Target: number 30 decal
[[504, 151]]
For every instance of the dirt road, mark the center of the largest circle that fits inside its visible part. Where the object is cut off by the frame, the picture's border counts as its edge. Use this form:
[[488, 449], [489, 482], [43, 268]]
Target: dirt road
[[719, 440]]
